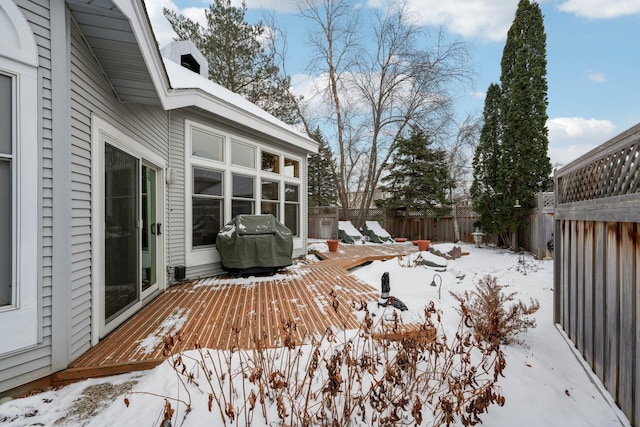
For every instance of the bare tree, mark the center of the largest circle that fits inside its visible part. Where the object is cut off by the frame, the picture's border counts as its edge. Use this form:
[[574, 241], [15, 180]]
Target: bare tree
[[383, 73], [460, 151]]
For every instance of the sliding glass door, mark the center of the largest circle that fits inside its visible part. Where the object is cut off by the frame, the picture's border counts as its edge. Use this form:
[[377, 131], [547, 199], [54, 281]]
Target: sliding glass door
[[121, 281], [132, 256]]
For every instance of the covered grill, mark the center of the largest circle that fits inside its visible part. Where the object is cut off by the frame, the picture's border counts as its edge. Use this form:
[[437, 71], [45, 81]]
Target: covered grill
[[255, 244]]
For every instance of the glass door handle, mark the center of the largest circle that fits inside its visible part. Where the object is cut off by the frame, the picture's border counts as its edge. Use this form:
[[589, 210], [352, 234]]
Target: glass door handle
[[156, 228]]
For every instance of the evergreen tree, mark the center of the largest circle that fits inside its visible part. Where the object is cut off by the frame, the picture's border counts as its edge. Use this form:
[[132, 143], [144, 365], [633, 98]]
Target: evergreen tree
[[321, 178], [485, 163], [524, 167], [237, 57], [418, 177]]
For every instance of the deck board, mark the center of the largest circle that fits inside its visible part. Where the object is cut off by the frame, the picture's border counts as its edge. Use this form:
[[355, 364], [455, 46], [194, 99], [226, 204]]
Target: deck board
[[219, 313]]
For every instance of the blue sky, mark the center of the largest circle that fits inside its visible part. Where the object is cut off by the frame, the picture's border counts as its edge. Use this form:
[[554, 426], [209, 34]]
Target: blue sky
[[593, 57]]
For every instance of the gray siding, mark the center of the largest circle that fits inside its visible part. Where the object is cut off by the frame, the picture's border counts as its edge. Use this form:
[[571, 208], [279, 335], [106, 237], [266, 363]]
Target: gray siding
[[175, 193], [22, 367], [92, 94]]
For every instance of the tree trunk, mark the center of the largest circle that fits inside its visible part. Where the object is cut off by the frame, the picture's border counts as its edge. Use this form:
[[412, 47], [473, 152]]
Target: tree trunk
[[456, 229], [514, 241]]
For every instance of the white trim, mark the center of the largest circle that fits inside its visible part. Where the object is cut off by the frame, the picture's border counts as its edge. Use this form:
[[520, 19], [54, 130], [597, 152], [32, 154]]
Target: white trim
[[18, 41], [18, 56], [206, 255], [102, 131]]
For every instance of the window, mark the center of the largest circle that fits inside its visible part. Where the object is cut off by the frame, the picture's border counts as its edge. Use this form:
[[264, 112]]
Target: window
[[207, 206], [243, 155], [6, 192], [291, 168], [270, 198], [243, 199], [207, 145], [270, 162], [19, 165], [292, 208]]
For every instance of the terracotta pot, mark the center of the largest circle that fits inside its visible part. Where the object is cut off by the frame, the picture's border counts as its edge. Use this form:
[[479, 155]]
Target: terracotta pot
[[400, 239], [423, 245], [333, 245]]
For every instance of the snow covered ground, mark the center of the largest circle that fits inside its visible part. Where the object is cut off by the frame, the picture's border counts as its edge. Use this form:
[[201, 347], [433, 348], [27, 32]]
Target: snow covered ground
[[545, 381]]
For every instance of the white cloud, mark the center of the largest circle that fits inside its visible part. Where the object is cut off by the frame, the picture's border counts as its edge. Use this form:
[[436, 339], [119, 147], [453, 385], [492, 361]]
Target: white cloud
[[161, 27], [484, 19], [597, 77], [601, 9], [570, 137], [276, 5], [477, 94]]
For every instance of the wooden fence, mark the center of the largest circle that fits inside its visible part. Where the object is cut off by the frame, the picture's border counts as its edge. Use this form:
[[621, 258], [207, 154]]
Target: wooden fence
[[421, 226], [538, 230], [597, 263], [323, 224]]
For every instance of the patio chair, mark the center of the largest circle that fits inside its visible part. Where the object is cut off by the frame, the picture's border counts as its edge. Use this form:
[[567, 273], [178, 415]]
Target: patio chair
[[347, 233], [376, 233]]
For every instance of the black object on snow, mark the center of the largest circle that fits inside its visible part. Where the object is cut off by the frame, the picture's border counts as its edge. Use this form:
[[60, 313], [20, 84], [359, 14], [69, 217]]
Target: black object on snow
[[385, 297]]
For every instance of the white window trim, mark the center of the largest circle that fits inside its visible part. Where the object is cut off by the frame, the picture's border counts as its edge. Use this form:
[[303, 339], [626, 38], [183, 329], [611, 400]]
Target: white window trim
[[297, 203], [19, 322], [208, 254]]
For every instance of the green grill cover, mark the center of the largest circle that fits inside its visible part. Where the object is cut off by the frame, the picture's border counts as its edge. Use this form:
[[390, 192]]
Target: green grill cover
[[255, 241]]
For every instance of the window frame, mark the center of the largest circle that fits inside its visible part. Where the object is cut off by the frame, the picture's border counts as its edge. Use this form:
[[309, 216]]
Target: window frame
[[295, 203], [219, 198], [20, 321], [235, 198]]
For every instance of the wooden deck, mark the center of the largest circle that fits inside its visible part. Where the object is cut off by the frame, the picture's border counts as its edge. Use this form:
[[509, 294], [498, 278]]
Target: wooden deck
[[222, 312]]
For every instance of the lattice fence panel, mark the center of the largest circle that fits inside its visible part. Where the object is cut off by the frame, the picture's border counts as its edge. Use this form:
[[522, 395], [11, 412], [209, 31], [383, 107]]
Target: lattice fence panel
[[615, 174]]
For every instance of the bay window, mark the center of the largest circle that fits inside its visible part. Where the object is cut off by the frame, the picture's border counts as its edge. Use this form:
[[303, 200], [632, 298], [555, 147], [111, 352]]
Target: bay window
[[226, 176]]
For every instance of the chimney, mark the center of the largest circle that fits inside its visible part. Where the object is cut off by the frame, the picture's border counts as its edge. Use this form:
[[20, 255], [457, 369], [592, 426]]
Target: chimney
[[185, 53]]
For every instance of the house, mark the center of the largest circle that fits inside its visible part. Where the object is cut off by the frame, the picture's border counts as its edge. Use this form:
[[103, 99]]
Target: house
[[117, 165]]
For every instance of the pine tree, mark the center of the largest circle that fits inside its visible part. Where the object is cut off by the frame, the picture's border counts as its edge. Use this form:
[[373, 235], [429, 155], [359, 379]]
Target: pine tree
[[524, 166], [321, 179], [485, 163], [237, 57], [418, 177]]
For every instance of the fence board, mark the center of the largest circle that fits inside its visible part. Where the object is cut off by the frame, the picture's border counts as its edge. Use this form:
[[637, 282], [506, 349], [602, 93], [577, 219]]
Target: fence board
[[627, 315], [599, 299], [566, 275], [579, 302], [613, 324], [588, 292], [636, 381], [573, 285]]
